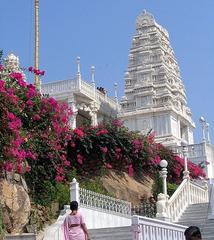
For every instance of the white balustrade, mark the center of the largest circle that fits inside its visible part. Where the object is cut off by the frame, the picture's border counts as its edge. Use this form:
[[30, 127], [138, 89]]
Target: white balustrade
[[68, 86], [187, 193], [152, 229], [104, 98], [87, 89], [59, 87], [193, 150], [91, 199]]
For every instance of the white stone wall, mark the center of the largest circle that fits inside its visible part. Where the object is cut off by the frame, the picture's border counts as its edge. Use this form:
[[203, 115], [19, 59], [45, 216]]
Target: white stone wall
[[95, 218]]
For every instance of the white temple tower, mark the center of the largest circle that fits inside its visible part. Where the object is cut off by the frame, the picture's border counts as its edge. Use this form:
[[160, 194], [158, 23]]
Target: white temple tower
[[155, 96]]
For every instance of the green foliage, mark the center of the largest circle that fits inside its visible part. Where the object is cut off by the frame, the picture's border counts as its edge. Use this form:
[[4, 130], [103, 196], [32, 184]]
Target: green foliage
[[171, 188], [46, 193], [157, 185], [62, 194]]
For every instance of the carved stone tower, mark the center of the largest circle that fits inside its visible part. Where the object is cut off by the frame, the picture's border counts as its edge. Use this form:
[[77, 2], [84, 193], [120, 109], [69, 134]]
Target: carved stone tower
[[155, 96]]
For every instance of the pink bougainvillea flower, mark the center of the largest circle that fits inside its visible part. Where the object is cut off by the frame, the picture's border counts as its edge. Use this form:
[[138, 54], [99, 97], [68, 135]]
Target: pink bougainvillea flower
[[117, 150], [28, 168], [117, 123], [101, 132], [31, 92], [1, 67], [42, 73], [67, 163], [156, 160], [29, 103], [8, 166], [109, 166], [151, 137], [130, 171], [80, 159], [79, 132], [2, 85], [104, 149], [36, 117], [59, 178], [11, 116], [15, 124], [16, 75], [72, 144], [19, 168], [30, 69]]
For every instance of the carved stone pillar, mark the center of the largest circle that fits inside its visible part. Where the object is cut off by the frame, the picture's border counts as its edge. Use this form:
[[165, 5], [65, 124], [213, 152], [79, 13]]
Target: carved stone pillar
[[93, 113], [73, 122]]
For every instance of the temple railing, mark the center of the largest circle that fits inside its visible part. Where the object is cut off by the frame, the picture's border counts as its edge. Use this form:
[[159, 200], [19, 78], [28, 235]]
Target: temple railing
[[193, 150], [92, 199], [59, 87], [187, 193], [152, 229], [78, 86]]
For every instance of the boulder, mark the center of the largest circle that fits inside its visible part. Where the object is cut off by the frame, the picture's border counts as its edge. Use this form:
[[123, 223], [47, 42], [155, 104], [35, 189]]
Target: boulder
[[15, 203]]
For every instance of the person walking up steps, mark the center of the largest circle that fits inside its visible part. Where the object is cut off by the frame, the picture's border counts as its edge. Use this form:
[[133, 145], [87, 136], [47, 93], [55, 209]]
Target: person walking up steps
[[74, 226]]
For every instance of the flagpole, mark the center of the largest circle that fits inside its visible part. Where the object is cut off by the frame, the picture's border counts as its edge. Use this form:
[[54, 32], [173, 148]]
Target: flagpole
[[36, 42]]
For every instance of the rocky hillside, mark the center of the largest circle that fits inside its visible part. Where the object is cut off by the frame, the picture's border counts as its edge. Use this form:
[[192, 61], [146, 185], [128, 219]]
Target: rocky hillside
[[127, 188]]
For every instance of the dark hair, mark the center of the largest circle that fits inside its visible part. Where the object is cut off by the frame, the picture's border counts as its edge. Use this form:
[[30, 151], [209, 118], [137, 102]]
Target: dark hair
[[192, 231], [74, 206]]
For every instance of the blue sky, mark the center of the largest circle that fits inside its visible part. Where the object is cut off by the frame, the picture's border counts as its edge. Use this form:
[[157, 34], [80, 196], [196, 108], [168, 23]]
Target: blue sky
[[100, 32]]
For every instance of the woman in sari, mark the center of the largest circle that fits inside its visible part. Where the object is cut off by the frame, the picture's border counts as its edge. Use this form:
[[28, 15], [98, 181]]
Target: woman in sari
[[74, 225]]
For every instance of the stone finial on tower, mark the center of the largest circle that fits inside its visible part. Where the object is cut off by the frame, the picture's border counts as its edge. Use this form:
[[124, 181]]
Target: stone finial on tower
[[115, 92], [93, 75], [78, 67], [93, 80], [78, 73]]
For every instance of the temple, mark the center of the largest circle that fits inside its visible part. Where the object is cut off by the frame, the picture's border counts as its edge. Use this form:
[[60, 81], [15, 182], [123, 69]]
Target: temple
[[155, 98]]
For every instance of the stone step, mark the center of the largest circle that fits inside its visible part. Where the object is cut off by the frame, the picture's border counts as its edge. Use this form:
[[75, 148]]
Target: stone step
[[118, 233], [197, 215]]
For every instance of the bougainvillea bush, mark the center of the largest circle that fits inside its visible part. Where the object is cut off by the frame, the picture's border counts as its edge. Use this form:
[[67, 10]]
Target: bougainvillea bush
[[113, 146], [33, 132]]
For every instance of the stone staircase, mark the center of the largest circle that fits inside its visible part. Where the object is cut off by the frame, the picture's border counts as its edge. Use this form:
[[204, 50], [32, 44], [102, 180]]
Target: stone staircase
[[117, 233], [197, 214]]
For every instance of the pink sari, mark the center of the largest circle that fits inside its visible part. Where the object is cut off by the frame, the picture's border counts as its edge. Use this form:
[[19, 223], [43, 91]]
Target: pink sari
[[73, 233]]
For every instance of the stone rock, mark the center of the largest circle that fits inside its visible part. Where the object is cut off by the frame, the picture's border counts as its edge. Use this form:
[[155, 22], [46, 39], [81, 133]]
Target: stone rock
[[15, 204], [127, 188]]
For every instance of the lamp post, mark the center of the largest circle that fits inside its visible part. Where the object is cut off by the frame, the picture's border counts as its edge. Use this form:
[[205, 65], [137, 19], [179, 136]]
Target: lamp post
[[162, 203], [163, 173], [184, 152]]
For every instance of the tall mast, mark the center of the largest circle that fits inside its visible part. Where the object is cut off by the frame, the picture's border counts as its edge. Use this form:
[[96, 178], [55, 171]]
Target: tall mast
[[36, 42]]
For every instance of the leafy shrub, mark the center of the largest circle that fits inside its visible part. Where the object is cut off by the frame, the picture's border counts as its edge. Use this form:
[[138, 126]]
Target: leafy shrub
[[33, 132]]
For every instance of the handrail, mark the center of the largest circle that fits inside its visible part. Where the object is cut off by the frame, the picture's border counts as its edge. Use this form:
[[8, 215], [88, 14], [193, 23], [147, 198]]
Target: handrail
[[177, 191], [106, 203], [147, 228], [187, 193]]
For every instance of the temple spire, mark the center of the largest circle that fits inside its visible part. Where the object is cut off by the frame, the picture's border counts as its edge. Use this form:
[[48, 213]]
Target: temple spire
[[36, 42]]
